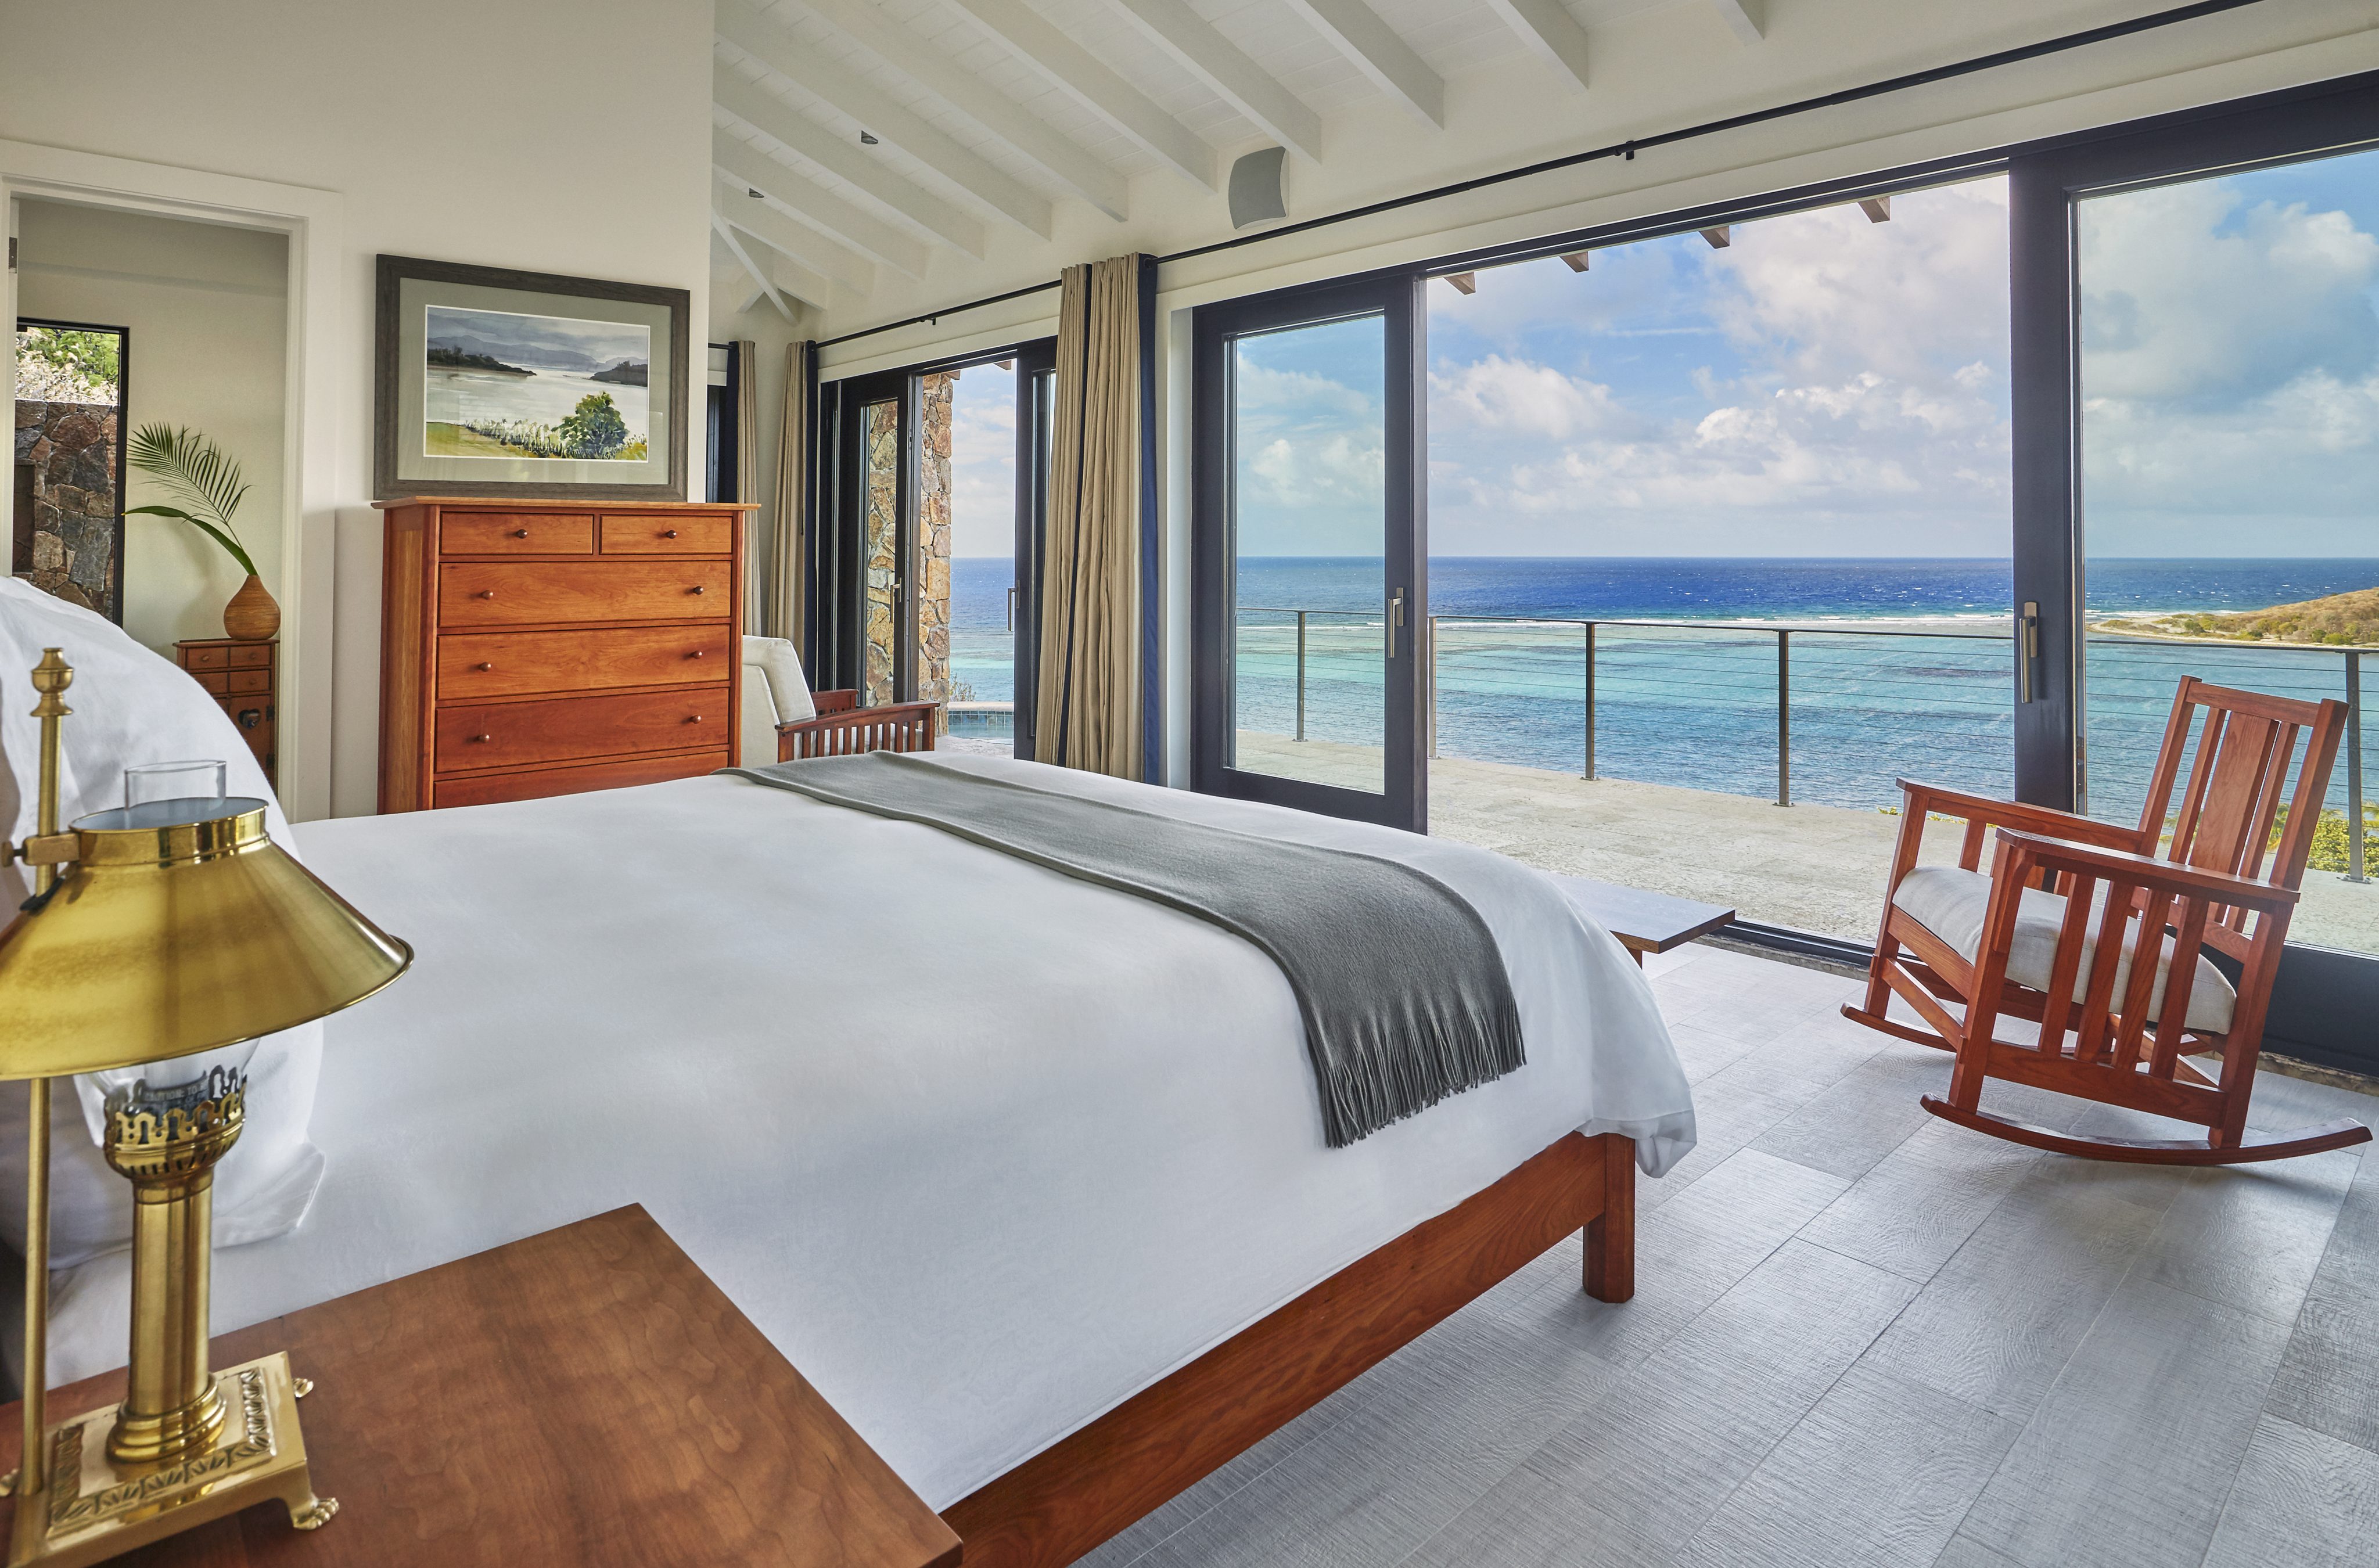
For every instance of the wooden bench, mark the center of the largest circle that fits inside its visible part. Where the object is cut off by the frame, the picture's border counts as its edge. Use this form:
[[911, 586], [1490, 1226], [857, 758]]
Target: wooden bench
[[1643, 923]]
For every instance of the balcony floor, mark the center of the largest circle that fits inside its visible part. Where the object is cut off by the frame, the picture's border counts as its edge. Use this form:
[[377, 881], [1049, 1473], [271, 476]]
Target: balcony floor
[[1811, 867], [1865, 1337]]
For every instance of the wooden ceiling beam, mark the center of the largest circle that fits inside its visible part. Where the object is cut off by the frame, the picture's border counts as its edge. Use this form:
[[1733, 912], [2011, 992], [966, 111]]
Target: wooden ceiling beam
[[1378, 51], [1081, 76], [750, 268], [814, 204], [1552, 34], [1058, 155], [772, 116], [1222, 65], [733, 201], [999, 193], [1748, 20]]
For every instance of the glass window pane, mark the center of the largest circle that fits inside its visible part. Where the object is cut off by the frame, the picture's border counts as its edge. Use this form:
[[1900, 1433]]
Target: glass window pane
[[1309, 528], [982, 561], [1715, 526], [2230, 461]]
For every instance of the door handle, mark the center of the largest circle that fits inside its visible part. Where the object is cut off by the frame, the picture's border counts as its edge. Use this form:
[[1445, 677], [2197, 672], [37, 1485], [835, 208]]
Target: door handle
[[2027, 632], [1396, 619], [1011, 607]]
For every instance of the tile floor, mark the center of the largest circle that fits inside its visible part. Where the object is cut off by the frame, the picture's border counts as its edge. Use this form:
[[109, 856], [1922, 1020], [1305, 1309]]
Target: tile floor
[[1865, 1337]]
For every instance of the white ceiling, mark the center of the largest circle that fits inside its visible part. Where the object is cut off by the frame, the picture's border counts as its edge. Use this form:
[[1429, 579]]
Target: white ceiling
[[996, 117]]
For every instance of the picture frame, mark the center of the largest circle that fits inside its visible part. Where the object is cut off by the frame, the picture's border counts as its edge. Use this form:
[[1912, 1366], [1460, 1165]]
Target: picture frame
[[494, 382]]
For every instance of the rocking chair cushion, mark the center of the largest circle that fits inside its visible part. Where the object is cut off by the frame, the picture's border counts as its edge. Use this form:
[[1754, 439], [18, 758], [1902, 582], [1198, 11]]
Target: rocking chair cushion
[[1951, 903]]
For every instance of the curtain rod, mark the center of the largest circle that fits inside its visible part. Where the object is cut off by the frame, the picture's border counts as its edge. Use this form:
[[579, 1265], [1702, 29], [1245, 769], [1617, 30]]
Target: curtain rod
[[1627, 150]]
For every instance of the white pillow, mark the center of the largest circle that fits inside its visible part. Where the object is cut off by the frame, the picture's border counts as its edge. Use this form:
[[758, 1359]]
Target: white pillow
[[775, 657], [130, 707]]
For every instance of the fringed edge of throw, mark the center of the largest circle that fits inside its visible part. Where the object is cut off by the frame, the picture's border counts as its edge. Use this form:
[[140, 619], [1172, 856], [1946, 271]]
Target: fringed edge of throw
[[1377, 1080]]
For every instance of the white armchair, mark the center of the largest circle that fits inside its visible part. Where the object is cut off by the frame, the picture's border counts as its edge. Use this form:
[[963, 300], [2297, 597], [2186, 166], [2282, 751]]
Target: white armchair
[[774, 692]]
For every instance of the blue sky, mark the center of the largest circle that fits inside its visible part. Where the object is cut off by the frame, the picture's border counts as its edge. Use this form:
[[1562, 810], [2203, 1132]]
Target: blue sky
[[1826, 386]]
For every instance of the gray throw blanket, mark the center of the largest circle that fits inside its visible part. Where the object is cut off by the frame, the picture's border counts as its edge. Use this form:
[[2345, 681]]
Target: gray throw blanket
[[1401, 985]]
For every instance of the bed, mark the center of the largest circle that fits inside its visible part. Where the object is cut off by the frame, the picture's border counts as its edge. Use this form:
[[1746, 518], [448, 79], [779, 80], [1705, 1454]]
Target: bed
[[1025, 1174]]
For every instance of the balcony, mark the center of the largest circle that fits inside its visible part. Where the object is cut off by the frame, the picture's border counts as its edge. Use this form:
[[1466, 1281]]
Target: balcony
[[1753, 765]]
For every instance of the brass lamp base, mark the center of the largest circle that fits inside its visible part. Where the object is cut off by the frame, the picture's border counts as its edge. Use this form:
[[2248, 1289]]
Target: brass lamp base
[[96, 1508]]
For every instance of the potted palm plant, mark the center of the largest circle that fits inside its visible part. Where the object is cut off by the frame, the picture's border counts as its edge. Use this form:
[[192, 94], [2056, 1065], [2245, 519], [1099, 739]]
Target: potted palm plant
[[196, 472]]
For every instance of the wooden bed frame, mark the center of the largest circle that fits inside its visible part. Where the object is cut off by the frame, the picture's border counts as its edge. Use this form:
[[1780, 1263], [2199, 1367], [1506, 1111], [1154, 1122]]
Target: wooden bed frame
[[1071, 1496]]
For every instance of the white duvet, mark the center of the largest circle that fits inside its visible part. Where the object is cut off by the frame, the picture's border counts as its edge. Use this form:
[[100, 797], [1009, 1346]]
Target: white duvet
[[983, 1149]]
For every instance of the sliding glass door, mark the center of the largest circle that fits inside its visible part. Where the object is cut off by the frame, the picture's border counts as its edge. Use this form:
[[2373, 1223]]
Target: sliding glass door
[[930, 566], [1308, 593], [2196, 379]]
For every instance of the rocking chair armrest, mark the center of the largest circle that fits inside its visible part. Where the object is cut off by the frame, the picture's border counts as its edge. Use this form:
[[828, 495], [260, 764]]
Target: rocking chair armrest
[[852, 718], [1920, 797], [2149, 872]]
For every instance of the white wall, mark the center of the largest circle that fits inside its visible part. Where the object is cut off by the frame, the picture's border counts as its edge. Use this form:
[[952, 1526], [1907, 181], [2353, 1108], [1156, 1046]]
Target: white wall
[[563, 136], [207, 309]]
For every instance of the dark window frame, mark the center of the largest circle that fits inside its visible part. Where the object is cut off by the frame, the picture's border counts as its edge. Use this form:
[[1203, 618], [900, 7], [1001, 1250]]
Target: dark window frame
[[2324, 993], [1396, 298]]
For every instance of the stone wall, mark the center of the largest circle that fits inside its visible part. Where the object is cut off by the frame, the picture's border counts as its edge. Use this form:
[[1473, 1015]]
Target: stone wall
[[880, 450], [72, 543], [934, 396]]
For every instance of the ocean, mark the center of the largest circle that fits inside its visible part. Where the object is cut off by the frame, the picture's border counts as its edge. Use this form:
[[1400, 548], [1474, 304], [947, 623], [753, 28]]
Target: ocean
[[1895, 667]]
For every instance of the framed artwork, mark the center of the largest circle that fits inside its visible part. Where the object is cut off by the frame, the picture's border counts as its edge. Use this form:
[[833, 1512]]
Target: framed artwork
[[491, 382]]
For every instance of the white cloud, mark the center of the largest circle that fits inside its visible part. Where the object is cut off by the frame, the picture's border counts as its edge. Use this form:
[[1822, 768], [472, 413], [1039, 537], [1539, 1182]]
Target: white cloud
[[1260, 390], [1515, 396]]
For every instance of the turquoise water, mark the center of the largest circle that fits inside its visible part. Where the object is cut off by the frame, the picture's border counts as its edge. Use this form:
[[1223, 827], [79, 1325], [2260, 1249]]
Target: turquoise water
[[1698, 707]]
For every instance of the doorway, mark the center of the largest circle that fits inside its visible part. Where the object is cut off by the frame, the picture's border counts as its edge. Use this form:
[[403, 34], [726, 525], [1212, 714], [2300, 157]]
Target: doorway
[[67, 520], [1310, 532], [928, 572]]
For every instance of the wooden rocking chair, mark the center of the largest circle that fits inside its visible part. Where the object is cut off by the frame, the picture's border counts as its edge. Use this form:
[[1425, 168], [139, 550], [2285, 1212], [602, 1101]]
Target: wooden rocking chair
[[2123, 1007]]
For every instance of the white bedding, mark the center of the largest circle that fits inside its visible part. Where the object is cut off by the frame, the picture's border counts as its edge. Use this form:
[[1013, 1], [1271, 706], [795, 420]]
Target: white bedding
[[985, 1150]]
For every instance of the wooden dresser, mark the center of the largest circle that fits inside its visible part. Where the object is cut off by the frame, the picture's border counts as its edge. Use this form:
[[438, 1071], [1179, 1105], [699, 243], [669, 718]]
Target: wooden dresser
[[241, 677], [533, 649]]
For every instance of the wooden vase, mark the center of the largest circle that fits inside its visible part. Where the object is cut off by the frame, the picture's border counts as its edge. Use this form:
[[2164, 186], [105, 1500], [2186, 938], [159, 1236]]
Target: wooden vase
[[253, 615]]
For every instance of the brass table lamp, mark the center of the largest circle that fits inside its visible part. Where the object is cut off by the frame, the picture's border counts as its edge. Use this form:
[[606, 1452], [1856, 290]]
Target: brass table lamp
[[156, 934]]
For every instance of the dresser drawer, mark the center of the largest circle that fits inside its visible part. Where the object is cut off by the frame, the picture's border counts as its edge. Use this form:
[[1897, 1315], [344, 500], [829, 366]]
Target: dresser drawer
[[516, 533], [630, 534], [245, 680], [536, 784], [476, 737], [501, 664], [505, 593]]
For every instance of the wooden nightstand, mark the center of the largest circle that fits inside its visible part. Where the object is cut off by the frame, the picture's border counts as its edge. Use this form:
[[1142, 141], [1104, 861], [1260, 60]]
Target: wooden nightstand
[[583, 1399], [242, 677]]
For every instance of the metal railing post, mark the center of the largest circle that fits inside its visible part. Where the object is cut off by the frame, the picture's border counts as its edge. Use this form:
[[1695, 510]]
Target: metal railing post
[[1590, 702], [1432, 688], [2354, 765], [1784, 718], [1300, 675]]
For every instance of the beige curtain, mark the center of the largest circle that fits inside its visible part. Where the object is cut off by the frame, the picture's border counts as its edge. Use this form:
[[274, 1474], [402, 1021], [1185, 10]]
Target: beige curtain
[[747, 470], [1089, 708], [787, 514]]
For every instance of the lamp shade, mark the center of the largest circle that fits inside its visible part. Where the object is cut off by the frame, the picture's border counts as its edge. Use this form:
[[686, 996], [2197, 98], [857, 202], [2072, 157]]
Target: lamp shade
[[181, 927]]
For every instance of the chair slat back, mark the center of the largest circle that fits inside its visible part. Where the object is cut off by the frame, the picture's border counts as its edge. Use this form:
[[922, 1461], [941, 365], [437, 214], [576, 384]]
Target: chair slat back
[[2239, 783]]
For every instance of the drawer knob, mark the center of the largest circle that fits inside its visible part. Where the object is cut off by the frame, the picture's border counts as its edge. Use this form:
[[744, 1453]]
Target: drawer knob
[[485, 668], [668, 533], [476, 739], [700, 589], [520, 533], [484, 594], [695, 720], [695, 653]]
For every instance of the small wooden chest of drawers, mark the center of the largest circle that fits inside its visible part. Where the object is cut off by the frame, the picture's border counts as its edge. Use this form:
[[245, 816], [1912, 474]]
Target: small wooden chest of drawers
[[532, 648], [241, 676]]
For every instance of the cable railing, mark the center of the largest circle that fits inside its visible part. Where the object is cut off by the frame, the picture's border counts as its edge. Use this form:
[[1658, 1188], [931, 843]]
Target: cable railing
[[1825, 715]]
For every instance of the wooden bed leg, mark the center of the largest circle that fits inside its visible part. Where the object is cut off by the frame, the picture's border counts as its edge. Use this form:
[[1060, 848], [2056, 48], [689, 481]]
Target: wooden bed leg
[[1611, 1236]]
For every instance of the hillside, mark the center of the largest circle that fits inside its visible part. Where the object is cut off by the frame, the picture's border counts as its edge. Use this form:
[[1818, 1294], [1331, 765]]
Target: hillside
[[2340, 619]]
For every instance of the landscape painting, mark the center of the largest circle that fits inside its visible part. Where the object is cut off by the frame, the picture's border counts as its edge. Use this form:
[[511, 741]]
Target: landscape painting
[[502, 384]]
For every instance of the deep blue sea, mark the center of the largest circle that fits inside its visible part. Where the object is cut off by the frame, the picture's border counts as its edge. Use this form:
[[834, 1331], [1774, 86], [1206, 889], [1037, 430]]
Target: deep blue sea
[[1895, 667]]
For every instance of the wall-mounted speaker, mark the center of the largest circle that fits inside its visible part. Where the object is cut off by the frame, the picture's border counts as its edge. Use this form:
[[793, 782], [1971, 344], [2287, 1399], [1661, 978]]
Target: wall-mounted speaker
[[1257, 191]]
